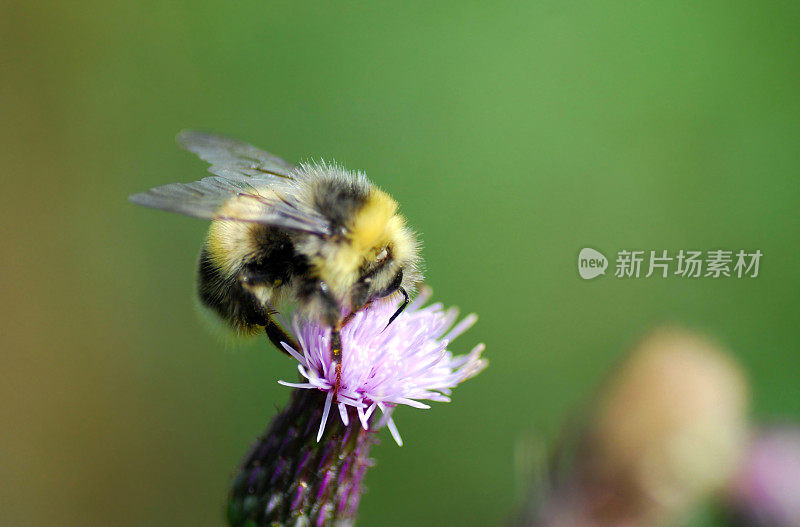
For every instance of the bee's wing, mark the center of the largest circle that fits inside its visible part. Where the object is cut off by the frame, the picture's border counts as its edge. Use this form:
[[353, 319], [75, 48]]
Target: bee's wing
[[250, 185], [230, 156], [237, 198]]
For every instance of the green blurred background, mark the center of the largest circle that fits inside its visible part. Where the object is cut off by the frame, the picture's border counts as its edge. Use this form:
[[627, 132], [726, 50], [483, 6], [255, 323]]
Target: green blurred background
[[512, 135]]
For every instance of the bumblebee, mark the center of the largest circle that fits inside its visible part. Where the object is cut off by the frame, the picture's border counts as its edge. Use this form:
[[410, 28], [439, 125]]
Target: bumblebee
[[316, 236]]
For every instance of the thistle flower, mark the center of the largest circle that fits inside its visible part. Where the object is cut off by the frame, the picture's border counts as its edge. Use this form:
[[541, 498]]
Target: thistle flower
[[384, 367], [308, 469]]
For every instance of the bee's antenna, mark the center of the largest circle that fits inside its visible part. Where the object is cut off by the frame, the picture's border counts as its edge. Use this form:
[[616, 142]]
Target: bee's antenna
[[399, 309]]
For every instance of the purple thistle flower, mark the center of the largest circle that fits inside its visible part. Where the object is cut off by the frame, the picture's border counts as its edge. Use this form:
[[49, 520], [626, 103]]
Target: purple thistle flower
[[304, 473], [383, 367]]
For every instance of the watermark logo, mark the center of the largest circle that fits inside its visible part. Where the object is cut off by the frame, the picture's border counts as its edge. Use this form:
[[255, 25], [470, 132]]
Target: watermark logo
[[634, 263], [591, 263]]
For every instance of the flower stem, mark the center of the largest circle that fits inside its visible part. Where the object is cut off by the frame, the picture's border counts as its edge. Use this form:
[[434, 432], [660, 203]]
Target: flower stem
[[290, 479]]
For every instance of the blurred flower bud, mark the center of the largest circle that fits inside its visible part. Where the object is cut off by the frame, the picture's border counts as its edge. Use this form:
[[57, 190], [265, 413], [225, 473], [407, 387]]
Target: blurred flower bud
[[665, 431], [670, 425]]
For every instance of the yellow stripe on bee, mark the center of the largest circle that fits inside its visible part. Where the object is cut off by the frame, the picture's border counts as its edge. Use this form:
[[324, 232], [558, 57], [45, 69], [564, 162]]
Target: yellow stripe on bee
[[370, 226], [228, 243]]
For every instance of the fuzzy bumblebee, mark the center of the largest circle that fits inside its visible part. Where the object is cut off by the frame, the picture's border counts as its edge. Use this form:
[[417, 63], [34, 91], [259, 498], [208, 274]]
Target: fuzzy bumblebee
[[315, 235]]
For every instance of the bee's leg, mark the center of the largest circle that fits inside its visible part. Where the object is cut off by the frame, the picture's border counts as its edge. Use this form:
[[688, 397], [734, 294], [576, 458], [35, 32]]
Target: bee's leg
[[336, 358], [350, 315], [336, 344], [265, 314], [331, 316], [276, 334]]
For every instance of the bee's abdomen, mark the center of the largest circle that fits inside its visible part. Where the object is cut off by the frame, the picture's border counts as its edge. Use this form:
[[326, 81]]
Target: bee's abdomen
[[224, 295]]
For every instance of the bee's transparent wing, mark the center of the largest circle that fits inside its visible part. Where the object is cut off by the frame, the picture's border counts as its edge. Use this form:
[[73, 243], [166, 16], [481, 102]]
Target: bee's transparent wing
[[232, 157], [236, 198], [250, 185]]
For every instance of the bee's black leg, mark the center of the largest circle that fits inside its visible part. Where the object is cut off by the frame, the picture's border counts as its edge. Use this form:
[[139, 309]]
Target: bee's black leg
[[332, 317], [265, 314], [277, 334], [336, 358], [350, 315]]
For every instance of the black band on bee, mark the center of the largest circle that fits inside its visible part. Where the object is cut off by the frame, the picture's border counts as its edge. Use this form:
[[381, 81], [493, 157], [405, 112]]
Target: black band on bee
[[226, 296], [275, 259], [233, 300], [337, 202]]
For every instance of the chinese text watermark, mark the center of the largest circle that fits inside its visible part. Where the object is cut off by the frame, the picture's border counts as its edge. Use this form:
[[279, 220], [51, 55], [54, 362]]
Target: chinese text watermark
[[717, 263]]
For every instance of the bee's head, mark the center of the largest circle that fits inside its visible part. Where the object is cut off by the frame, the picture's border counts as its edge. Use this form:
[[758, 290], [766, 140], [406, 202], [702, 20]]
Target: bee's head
[[392, 270], [376, 255], [388, 251], [372, 253]]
